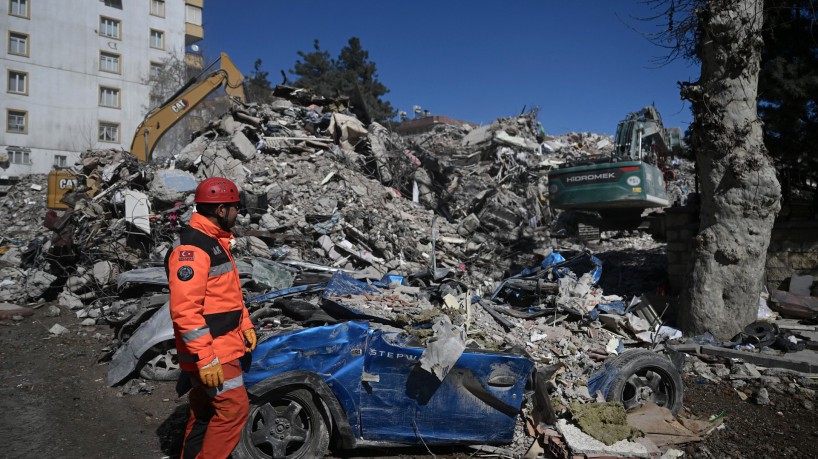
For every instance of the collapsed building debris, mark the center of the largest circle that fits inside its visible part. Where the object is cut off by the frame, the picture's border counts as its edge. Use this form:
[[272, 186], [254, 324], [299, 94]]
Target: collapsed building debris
[[440, 240]]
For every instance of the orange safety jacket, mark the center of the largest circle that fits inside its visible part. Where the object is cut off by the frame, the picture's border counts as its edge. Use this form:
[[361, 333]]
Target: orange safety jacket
[[206, 302]]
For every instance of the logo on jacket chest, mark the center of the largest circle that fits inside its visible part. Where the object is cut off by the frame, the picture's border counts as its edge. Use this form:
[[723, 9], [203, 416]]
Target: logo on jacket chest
[[217, 250]]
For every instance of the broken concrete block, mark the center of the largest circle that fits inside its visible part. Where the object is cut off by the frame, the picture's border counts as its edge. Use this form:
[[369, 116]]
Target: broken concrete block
[[326, 244], [425, 189], [77, 283], [762, 397], [269, 222], [582, 443], [604, 143], [38, 282], [451, 302], [172, 185], [241, 147], [252, 245], [88, 322], [483, 134], [347, 130], [53, 311], [377, 144], [537, 336], [230, 125], [69, 300], [280, 105], [58, 330], [751, 370], [103, 272], [12, 256], [468, 225], [520, 142], [218, 162], [187, 157]]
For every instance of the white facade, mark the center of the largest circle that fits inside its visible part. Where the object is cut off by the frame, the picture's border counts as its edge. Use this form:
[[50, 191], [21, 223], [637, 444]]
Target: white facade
[[75, 73]]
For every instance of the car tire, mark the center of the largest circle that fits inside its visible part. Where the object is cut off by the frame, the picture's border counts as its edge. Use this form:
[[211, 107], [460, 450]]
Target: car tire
[[644, 376], [285, 424], [159, 363]]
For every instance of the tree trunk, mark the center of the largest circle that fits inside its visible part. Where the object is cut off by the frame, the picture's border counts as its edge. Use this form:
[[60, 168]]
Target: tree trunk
[[739, 190]]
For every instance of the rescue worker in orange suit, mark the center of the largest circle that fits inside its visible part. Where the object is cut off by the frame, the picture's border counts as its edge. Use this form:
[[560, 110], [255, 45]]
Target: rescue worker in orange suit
[[210, 322]]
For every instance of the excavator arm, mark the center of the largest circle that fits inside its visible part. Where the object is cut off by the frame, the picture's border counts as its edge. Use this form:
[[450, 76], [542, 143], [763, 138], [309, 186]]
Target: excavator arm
[[162, 118]]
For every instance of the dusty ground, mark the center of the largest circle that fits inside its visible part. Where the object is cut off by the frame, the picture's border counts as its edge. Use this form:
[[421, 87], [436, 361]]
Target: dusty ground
[[788, 427], [55, 402]]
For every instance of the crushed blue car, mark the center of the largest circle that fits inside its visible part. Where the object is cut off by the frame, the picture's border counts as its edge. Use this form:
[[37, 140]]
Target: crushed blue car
[[359, 385]]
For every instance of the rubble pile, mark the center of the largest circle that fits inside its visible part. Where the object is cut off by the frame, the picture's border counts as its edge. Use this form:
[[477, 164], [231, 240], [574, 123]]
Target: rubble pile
[[23, 201], [344, 220], [681, 182]]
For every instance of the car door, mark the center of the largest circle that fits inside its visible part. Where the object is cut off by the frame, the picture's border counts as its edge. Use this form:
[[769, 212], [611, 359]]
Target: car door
[[476, 402]]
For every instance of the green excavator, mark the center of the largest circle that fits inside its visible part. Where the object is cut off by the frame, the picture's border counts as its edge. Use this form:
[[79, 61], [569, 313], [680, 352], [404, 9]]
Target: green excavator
[[611, 192]]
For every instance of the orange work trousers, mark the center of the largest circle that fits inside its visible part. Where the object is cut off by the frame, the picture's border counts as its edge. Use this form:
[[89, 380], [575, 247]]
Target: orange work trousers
[[217, 415]]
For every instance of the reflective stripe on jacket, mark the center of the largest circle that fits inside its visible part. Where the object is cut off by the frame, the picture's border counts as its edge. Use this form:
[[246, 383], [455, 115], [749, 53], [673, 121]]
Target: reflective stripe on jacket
[[206, 302]]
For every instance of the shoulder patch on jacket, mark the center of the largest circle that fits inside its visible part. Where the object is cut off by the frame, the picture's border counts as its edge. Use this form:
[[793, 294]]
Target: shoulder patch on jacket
[[186, 255], [185, 273]]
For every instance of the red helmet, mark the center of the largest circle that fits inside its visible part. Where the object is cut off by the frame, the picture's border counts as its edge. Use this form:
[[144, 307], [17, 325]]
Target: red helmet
[[216, 190]]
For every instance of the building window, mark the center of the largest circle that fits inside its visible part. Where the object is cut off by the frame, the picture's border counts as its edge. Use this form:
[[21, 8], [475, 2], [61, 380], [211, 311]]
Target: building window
[[60, 160], [16, 121], [108, 62], [157, 39], [108, 132], [193, 15], [156, 70], [109, 27], [109, 97], [18, 82], [112, 3], [18, 8], [158, 8], [18, 44], [19, 156]]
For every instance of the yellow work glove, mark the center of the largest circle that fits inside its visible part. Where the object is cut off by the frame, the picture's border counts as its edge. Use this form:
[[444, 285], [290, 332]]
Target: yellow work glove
[[250, 339], [212, 374]]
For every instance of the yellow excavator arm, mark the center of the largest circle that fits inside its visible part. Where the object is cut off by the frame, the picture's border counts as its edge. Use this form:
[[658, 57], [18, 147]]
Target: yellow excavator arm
[[164, 117]]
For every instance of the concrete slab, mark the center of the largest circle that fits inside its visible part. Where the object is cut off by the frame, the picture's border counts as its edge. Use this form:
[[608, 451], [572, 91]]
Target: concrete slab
[[581, 443]]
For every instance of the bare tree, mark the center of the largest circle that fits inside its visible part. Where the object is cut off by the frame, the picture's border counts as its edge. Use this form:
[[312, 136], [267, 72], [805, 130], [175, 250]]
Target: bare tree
[[86, 137], [740, 194]]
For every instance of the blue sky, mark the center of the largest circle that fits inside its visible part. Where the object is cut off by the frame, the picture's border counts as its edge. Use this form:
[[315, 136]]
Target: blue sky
[[579, 61]]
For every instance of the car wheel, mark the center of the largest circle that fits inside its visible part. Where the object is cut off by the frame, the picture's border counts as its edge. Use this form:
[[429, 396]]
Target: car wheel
[[286, 424], [644, 376], [160, 363]]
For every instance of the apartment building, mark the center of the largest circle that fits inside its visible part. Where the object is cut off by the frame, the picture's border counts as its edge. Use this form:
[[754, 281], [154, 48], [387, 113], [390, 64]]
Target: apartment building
[[76, 73]]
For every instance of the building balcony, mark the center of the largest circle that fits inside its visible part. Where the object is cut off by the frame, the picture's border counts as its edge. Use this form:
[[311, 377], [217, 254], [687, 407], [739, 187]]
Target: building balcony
[[193, 33]]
